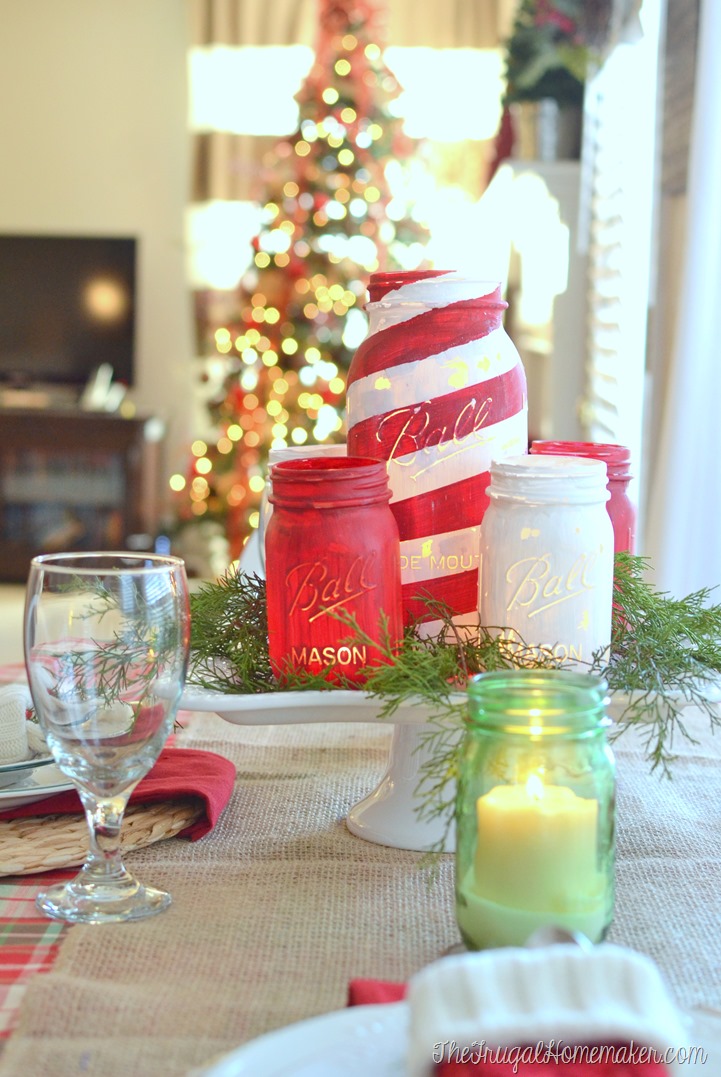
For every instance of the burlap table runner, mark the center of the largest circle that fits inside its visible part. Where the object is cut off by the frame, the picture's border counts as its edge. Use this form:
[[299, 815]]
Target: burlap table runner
[[280, 906]]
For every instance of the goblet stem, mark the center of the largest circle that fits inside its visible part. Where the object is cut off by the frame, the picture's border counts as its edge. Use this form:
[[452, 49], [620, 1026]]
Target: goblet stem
[[104, 863], [104, 891]]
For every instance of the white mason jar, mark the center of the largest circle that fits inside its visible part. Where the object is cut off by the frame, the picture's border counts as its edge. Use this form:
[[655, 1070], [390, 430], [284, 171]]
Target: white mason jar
[[546, 558], [278, 456]]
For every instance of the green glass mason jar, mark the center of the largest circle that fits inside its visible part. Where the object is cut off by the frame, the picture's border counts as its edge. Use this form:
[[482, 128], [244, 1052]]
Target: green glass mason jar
[[535, 808]]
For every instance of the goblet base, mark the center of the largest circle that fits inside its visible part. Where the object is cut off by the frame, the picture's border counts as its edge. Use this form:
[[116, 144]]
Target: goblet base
[[82, 901]]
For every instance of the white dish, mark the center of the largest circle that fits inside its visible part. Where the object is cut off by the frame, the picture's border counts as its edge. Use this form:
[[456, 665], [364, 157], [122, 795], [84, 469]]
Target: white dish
[[36, 784], [346, 705], [389, 815], [620, 701], [530, 994], [365, 1040], [356, 1042], [10, 773], [295, 708]]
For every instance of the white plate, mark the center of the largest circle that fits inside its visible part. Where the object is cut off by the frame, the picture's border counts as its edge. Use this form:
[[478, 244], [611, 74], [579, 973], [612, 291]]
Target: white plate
[[365, 1040], [10, 773], [341, 705], [620, 701], [35, 785], [358, 1042], [294, 708]]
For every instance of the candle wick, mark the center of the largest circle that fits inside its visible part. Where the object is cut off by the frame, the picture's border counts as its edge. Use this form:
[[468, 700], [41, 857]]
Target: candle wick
[[534, 787]]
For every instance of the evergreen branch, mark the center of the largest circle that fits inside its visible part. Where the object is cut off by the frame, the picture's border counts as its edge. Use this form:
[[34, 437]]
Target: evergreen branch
[[665, 654], [229, 636], [132, 660]]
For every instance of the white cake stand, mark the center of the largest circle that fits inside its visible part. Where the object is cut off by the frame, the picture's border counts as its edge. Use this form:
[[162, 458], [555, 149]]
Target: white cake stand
[[390, 814]]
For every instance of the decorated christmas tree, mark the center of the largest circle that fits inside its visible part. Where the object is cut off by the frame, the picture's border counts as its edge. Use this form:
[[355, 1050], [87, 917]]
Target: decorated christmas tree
[[331, 216]]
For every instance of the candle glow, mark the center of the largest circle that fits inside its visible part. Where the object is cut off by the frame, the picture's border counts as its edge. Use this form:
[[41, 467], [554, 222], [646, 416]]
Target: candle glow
[[536, 863], [535, 809]]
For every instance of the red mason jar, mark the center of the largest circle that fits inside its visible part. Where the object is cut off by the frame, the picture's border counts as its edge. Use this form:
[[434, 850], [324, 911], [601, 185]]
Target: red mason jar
[[618, 460], [331, 546]]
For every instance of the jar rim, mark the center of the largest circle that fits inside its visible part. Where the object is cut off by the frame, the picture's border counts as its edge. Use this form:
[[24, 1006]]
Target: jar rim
[[309, 466], [419, 289], [544, 478], [616, 457], [602, 450], [328, 480], [539, 702]]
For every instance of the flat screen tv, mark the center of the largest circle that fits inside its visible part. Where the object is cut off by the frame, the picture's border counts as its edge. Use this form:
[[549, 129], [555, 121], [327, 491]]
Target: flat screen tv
[[67, 305]]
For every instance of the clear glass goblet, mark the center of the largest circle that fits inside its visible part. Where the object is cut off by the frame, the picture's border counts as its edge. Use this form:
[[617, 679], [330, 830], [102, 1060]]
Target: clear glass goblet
[[106, 651]]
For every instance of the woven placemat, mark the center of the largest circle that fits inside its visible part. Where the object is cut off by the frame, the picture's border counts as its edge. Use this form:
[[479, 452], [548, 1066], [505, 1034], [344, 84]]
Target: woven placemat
[[42, 842]]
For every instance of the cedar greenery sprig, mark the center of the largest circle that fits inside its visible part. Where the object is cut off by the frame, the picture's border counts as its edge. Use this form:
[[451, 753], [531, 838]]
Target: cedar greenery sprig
[[229, 636], [665, 653], [136, 654], [229, 641], [434, 671]]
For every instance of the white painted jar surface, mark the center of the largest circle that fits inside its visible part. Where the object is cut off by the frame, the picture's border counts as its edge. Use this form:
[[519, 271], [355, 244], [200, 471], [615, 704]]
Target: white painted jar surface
[[546, 558]]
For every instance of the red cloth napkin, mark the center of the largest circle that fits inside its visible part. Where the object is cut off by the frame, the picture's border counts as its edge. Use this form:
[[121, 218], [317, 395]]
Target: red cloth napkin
[[370, 992], [616, 1060], [178, 772]]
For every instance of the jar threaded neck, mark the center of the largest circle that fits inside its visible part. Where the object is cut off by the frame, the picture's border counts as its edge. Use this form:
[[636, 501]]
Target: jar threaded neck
[[561, 480], [324, 481], [537, 702], [617, 458]]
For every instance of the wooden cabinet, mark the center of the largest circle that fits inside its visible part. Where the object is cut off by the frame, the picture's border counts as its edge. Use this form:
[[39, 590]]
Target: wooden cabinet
[[75, 480]]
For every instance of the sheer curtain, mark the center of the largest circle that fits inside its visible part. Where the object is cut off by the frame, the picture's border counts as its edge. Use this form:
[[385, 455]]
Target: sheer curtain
[[441, 23], [248, 57], [226, 164], [684, 516]]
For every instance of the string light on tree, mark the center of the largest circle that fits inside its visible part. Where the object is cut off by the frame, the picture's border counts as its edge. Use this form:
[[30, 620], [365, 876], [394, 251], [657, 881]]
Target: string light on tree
[[298, 316]]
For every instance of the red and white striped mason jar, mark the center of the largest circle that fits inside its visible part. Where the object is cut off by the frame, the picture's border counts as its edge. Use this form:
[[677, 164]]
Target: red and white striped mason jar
[[437, 390]]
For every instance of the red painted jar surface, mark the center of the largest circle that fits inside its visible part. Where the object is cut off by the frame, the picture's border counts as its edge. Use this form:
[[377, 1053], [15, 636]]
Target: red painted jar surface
[[617, 459], [438, 391], [331, 548]]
